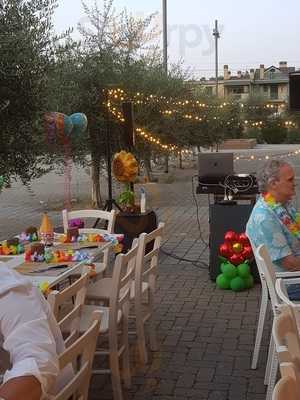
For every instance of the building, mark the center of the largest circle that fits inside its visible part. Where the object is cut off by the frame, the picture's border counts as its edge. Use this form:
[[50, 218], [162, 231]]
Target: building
[[271, 83]]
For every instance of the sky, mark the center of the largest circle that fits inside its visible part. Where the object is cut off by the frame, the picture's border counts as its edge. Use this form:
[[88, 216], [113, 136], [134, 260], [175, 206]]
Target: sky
[[253, 32]]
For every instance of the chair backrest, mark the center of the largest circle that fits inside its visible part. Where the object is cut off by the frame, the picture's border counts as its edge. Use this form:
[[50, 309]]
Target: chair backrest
[[122, 277], [286, 336], [147, 262], [108, 216], [281, 290], [80, 353], [286, 389], [266, 268], [69, 322]]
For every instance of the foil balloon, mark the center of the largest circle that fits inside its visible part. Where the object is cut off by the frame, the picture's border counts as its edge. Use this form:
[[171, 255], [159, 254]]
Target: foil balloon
[[79, 121]]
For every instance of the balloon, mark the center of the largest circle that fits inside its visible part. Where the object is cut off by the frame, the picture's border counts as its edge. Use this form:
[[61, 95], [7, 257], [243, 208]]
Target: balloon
[[247, 252], [58, 124], [80, 122], [236, 259], [237, 284], [249, 282], [243, 239], [222, 282], [225, 250], [243, 270], [231, 236], [237, 247], [229, 271]]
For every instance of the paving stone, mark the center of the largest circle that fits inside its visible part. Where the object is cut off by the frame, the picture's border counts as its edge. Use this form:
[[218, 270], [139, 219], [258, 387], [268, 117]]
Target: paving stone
[[206, 335]]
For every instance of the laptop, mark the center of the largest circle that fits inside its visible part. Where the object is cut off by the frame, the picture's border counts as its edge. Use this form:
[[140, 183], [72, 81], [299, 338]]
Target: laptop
[[214, 167]]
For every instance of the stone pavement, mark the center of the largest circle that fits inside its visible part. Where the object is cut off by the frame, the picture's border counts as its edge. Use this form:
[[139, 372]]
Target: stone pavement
[[206, 335]]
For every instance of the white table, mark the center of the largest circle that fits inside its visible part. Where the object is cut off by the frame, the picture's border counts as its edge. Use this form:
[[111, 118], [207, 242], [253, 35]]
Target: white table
[[36, 279]]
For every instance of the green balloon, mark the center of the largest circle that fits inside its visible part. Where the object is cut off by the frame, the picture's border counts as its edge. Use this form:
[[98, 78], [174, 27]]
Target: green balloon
[[230, 271], [237, 284], [243, 270], [222, 282], [223, 265], [249, 282]]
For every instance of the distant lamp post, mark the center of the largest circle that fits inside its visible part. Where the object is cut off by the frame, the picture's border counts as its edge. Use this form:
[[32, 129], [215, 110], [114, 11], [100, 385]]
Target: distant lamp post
[[165, 36], [216, 34]]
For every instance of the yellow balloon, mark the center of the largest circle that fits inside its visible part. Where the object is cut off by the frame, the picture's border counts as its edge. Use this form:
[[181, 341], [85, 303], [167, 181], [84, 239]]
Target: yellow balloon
[[237, 247]]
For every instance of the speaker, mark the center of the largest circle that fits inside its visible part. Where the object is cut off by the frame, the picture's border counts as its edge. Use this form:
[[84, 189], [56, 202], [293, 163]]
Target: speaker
[[294, 85], [223, 218], [128, 124]]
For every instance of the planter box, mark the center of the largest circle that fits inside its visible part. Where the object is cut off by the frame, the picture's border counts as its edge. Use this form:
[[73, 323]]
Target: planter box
[[132, 225], [238, 144]]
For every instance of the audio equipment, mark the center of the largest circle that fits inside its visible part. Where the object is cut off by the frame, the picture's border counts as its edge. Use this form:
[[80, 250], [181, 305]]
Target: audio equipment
[[213, 167], [235, 185]]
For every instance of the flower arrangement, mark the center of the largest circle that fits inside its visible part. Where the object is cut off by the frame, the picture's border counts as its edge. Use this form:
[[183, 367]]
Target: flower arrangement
[[125, 169]]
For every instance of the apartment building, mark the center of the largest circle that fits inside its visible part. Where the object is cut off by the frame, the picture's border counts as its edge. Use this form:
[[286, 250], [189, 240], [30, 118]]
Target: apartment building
[[272, 83]]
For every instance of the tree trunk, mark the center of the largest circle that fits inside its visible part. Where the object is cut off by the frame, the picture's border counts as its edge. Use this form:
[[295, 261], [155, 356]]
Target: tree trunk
[[180, 160], [166, 163], [147, 167], [96, 192]]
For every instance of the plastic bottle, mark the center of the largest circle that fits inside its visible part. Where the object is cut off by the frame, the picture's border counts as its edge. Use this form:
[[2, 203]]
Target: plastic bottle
[[143, 201]]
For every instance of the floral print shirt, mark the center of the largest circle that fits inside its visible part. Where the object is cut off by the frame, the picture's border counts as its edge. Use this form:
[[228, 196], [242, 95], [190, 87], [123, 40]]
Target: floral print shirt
[[264, 227]]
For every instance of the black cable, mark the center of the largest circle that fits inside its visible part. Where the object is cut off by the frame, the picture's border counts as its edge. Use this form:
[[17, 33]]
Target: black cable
[[197, 263]]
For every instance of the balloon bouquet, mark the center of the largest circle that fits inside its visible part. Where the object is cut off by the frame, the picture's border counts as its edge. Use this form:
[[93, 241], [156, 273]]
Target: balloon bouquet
[[235, 254], [60, 126]]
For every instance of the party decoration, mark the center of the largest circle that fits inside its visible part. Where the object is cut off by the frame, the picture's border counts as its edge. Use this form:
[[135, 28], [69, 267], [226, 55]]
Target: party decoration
[[115, 239], [80, 122], [44, 288], [235, 254], [46, 230], [289, 218], [125, 166]]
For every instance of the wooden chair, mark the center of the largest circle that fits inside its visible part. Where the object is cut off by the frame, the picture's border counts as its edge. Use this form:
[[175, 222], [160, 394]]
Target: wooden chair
[[80, 354], [143, 288], [108, 216], [287, 388], [287, 342], [114, 320], [67, 311], [264, 305]]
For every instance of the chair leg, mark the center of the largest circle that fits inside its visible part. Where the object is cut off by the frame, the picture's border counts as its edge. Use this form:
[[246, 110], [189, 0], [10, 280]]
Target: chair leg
[[140, 332], [115, 375], [261, 322], [273, 374], [271, 355], [125, 343], [152, 330]]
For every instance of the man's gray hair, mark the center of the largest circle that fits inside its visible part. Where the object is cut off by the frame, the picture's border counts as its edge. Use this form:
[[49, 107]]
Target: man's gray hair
[[269, 173]]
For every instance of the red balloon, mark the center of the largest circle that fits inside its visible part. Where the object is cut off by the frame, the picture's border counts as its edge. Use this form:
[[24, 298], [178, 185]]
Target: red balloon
[[243, 238], [231, 236], [247, 252], [236, 259], [225, 250]]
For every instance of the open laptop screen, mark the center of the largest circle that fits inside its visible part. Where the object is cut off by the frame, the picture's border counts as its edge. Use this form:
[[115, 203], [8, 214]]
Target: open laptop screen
[[214, 167]]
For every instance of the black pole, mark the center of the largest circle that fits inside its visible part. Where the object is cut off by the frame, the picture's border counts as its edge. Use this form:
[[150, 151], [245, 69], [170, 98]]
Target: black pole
[[108, 154]]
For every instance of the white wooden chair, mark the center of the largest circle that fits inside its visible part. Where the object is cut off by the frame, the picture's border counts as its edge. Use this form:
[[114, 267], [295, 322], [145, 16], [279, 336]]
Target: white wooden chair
[[80, 354], [264, 300], [287, 342], [143, 288], [287, 388], [108, 216], [266, 268], [67, 311], [114, 320]]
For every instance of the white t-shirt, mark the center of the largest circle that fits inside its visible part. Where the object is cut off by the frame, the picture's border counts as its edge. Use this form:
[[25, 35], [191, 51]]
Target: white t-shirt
[[29, 333]]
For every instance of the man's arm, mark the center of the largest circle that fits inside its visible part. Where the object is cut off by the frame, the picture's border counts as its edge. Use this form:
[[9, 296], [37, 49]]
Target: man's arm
[[291, 263], [30, 343], [24, 387]]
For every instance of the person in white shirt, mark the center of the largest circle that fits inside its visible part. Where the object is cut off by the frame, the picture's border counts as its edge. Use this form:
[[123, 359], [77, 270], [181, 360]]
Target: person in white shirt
[[31, 336]]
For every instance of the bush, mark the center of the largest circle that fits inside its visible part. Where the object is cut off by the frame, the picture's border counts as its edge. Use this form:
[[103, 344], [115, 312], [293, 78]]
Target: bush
[[274, 134], [293, 136], [254, 133]]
